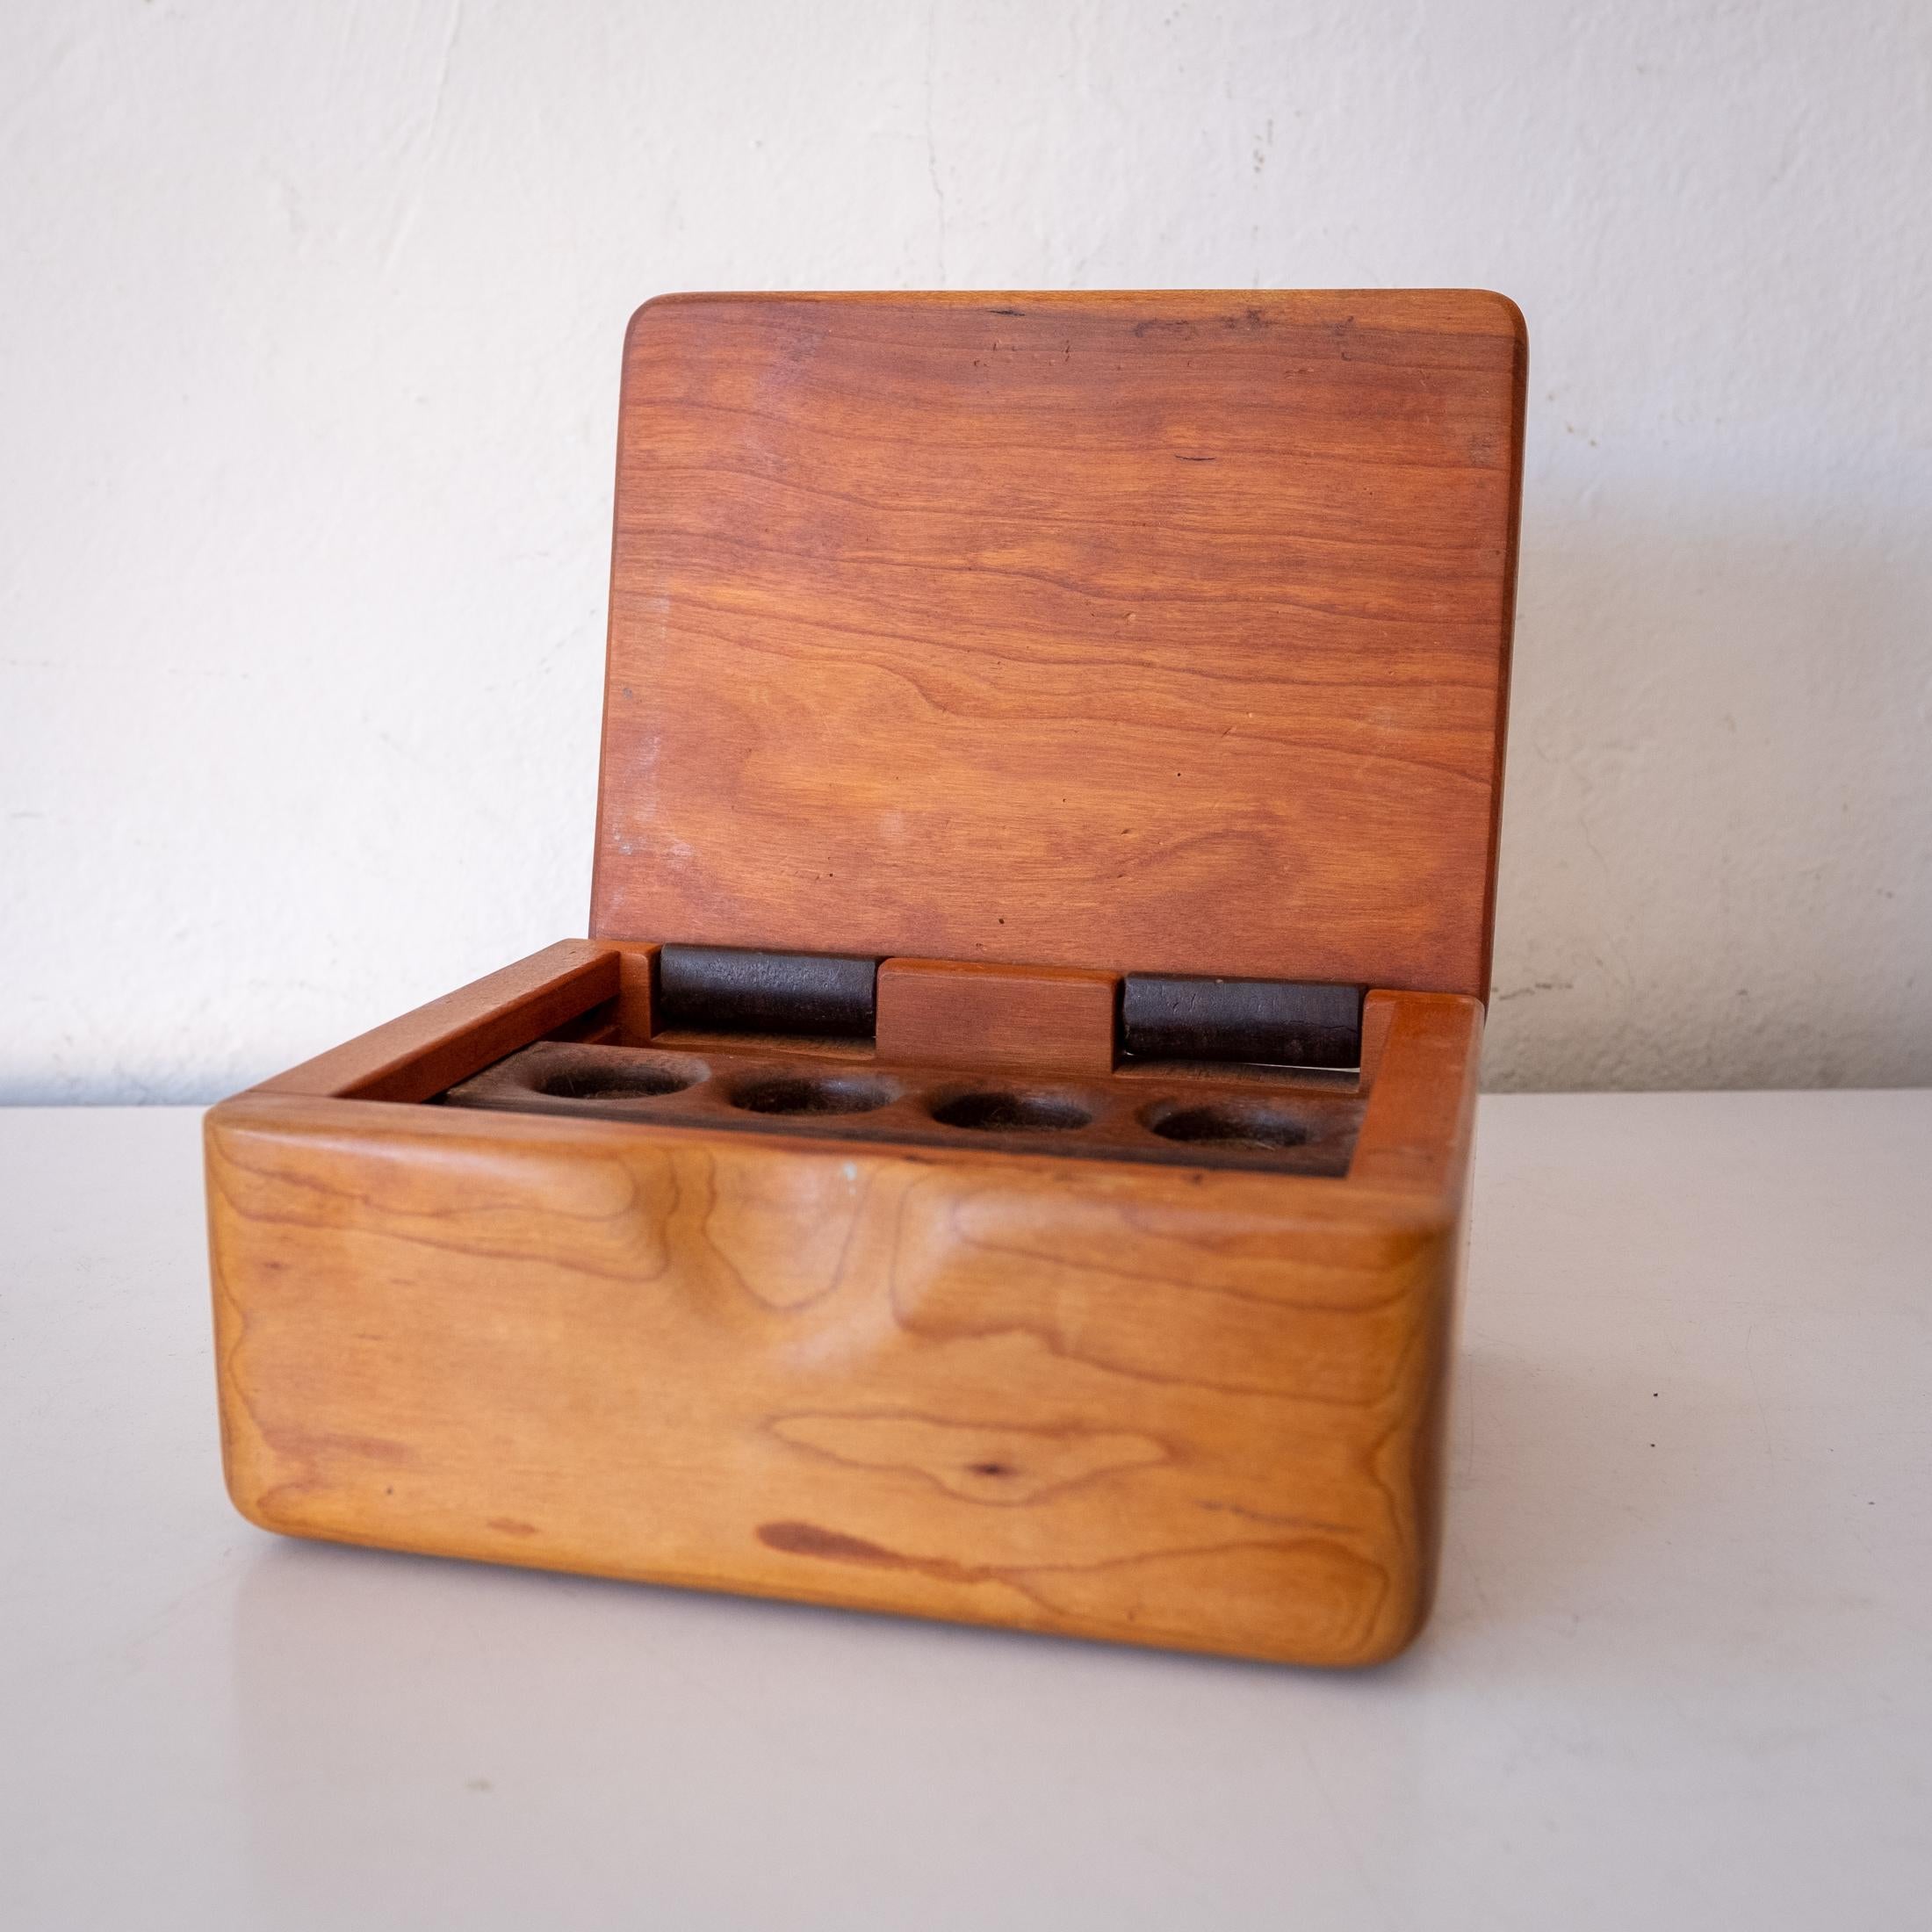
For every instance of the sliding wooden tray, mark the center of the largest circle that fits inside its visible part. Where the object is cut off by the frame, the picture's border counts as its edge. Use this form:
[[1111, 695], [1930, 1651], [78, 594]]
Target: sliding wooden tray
[[1018, 667]]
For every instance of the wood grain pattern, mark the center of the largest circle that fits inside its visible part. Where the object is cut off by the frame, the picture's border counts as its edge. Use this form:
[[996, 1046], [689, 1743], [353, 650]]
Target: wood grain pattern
[[948, 1013], [1155, 632], [1158, 1405]]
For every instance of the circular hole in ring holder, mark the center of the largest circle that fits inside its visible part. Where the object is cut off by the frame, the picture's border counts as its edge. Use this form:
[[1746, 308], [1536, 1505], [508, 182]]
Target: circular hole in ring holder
[[642, 1076], [1250, 1124], [806, 1093], [1010, 1111]]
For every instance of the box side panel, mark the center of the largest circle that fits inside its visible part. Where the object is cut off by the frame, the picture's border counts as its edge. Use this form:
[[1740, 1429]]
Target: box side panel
[[1186, 1409]]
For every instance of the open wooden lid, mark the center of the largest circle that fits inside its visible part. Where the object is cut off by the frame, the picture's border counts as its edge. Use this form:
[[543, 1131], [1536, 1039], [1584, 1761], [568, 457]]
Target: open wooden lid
[[1159, 632]]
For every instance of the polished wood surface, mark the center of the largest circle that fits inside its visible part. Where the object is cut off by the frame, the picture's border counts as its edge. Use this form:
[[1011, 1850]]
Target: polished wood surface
[[950, 1013], [1154, 632], [1163, 1405], [1015, 643]]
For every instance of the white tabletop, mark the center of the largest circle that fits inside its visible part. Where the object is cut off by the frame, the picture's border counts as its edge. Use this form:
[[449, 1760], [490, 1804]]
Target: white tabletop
[[1680, 1673]]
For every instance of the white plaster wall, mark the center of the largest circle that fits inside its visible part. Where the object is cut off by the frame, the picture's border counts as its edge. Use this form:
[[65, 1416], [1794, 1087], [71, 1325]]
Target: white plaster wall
[[309, 326]]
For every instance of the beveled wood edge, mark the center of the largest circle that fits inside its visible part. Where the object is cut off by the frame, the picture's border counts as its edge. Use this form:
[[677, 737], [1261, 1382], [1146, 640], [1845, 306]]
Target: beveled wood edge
[[1506, 655], [1418, 1195], [1417, 307], [1308, 1201], [1402, 1634], [419, 1054]]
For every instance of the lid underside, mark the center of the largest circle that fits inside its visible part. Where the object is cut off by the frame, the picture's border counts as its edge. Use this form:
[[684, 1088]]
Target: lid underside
[[1160, 632]]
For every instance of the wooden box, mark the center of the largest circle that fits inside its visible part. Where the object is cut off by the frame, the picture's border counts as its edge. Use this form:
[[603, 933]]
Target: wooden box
[[1001, 1154]]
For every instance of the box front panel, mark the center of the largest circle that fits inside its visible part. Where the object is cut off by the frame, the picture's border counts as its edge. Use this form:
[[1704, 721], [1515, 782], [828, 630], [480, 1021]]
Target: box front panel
[[1191, 1409]]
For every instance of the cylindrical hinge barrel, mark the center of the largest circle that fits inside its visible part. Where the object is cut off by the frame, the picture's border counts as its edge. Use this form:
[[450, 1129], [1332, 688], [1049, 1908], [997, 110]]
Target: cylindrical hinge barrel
[[725, 989], [1268, 1022]]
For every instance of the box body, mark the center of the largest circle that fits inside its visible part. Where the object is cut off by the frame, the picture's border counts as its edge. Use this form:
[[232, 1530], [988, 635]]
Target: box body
[[1159, 1404]]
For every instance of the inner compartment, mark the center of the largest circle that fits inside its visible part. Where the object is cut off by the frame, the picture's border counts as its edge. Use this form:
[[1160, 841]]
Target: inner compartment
[[1178, 1117], [963, 1055]]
